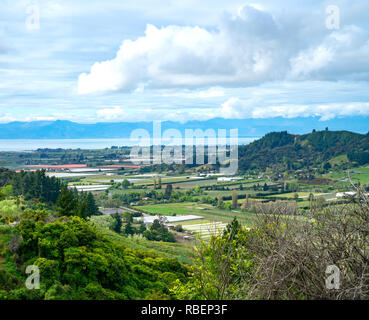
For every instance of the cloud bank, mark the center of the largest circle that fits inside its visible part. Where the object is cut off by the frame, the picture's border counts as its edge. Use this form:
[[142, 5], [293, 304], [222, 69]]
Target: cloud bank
[[248, 49], [170, 60], [235, 108]]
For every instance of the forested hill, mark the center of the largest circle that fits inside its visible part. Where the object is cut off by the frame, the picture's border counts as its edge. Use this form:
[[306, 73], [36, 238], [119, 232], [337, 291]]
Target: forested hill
[[291, 151]]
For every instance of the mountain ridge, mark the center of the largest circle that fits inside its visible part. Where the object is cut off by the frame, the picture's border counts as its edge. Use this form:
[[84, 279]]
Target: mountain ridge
[[65, 129]]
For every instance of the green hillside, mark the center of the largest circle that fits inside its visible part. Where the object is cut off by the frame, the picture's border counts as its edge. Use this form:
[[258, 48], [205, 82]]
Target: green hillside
[[291, 152]]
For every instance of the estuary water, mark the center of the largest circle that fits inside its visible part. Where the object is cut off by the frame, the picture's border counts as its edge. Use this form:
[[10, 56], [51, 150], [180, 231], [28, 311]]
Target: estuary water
[[34, 144]]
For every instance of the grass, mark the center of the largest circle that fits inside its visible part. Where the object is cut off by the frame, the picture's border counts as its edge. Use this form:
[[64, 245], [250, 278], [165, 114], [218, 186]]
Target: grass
[[192, 222], [360, 174], [338, 160], [211, 213], [169, 209], [206, 229], [183, 252], [290, 195]]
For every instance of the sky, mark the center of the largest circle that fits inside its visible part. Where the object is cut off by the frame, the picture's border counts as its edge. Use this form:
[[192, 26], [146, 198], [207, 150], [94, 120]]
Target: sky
[[99, 61]]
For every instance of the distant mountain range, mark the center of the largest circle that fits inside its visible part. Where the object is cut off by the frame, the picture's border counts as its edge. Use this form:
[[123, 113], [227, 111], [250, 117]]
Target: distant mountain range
[[62, 129]]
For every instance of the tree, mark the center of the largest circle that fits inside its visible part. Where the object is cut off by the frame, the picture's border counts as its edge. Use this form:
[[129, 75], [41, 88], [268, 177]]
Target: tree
[[220, 201], [320, 202], [154, 183], [81, 206], [327, 166], [7, 190], [234, 199], [127, 217], [142, 228], [197, 190], [311, 200], [220, 271], [159, 232], [245, 203], [265, 187], [250, 266], [159, 183], [168, 191], [125, 184], [117, 226], [6, 176], [128, 229], [36, 185], [78, 261], [91, 206], [67, 202], [232, 229]]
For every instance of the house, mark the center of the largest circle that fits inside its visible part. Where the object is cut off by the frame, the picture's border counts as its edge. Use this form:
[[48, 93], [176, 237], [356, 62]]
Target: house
[[347, 194], [111, 211], [229, 179]]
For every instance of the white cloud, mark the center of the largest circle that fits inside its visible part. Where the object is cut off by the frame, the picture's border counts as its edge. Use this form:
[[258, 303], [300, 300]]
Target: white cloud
[[235, 108], [341, 53], [268, 54], [5, 118], [240, 52], [250, 48], [213, 92], [149, 114], [312, 60], [109, 114]]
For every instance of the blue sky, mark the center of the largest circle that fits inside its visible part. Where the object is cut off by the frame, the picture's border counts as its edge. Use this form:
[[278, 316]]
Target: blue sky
[[95, 60]]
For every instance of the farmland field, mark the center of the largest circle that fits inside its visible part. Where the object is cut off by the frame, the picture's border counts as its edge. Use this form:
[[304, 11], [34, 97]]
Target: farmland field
[[206, 230], [204, 210], [357, 174]]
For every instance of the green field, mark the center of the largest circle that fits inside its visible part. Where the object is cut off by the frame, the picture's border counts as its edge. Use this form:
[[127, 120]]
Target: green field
[[177, 208], [290, 195], [209, 213], [357, 175]]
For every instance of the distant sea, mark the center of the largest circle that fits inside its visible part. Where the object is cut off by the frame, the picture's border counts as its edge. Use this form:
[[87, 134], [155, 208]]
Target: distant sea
[[34, 144]]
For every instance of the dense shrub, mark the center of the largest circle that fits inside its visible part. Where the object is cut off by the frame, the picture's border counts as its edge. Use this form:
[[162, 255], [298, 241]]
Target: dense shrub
[[78, 262]]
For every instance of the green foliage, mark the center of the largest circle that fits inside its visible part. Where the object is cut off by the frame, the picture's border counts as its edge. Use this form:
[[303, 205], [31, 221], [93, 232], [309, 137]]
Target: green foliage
[[78, 262], [125, 184], [73, 203], [117, 224], [285, 151], [67, 202], [159, 232], [91, 206], [6, 176], [10, 209], [128, 229], [105, 221], [36, 185], [221, 266], [359, 157], [168, 191], [7, 190]]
